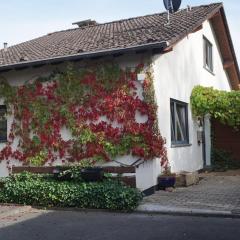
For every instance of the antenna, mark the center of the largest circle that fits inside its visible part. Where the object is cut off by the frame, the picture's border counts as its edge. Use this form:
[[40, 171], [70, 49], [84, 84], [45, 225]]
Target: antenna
[[171, 6]]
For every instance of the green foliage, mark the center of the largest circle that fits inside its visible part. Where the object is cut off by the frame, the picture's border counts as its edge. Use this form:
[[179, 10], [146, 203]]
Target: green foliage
[[74, 172], [106, 74], [71, 91], [7, 91], [38, 159], [85, 163], [37, 190], [224, 160], [221, 105], [86, 136]]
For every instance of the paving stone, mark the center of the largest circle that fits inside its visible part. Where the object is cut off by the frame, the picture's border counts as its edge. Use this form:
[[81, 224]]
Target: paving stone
[[219, 193]]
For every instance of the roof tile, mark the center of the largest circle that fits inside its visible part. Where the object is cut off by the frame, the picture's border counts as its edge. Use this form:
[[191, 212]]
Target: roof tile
[[118, 34]]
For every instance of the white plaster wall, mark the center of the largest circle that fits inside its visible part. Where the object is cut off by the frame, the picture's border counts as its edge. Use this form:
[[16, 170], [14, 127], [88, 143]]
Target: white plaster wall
[[175, 75]]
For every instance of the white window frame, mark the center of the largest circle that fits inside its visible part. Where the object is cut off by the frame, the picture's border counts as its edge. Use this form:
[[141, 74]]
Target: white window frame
[[208, 55], [180, 124]]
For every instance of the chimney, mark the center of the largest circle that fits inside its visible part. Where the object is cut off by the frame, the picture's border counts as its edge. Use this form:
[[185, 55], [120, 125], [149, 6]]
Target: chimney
[[189, 8], [86, 23], [5, 45]]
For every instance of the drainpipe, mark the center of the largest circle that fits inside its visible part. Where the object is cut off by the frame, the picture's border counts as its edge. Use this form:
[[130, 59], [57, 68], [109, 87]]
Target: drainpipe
[[204, 144]]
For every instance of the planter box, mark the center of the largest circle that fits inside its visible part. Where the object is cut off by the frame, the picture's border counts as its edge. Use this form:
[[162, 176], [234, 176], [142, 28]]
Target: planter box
[[65, 177], [92, 174], [166, 182], [186, 179]]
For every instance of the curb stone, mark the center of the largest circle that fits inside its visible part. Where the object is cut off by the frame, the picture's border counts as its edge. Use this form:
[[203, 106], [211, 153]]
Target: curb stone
[[169, 210]]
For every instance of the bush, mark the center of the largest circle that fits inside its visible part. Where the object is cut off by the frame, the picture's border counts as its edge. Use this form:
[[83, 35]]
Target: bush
[[40, 190], [221, 105], [223, 160]]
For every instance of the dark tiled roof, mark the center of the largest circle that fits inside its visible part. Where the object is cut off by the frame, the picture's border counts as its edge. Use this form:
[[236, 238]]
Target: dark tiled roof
[[114, 35]]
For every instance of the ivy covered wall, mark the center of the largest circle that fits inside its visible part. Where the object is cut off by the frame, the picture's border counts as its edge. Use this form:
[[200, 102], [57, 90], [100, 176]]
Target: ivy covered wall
[[98, 104]]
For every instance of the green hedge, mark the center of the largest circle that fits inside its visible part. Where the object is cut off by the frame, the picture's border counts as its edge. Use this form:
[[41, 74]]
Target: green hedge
[[221, 105], [37, 190]]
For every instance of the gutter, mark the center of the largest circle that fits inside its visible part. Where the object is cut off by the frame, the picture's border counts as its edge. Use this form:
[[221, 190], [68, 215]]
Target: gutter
[[149, 46]]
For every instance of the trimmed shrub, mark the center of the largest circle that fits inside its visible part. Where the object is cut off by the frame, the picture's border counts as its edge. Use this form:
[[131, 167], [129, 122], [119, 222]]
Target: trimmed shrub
[[40, 190]]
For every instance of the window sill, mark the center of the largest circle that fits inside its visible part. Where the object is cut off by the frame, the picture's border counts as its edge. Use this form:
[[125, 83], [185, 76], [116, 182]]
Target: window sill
[[207, 69], [181, 145]]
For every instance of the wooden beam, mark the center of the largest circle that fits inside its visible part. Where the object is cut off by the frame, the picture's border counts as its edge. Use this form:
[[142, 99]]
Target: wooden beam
[[167, 50], [198, 29], [49, 170], [55, 63], [141, 51], [116, 55], [218, 14], [157, 51], [228, 63]]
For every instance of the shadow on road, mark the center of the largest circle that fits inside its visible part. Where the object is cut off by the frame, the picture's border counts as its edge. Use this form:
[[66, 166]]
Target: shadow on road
[[99, 225]]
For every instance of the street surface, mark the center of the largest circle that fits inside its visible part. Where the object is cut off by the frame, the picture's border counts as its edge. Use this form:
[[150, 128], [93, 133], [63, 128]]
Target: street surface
[[66, 225]]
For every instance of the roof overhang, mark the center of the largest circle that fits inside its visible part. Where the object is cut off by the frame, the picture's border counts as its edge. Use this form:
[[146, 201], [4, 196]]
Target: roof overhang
[[229, 60], [220, 26], [159, 46]]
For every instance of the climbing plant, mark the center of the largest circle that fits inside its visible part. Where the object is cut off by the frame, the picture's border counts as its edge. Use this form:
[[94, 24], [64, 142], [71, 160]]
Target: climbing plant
[[221, 105], [97, 105]]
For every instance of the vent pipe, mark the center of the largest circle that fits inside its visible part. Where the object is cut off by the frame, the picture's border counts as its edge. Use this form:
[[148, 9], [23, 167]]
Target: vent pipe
[[189, 8], [5, 46]]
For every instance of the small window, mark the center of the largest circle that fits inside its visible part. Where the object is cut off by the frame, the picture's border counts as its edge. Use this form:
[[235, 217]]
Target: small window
[[179, 122], [3, 123], [208, 54]]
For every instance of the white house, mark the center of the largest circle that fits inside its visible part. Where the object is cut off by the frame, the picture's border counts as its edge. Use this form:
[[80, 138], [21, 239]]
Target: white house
[[193, 48]]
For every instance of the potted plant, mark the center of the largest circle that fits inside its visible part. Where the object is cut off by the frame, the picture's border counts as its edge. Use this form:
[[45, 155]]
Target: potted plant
[[166, 179], [90, 172], [85, 170]]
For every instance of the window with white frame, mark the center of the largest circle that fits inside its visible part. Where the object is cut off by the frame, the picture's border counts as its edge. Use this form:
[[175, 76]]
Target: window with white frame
[[208, 54], [179, 122]]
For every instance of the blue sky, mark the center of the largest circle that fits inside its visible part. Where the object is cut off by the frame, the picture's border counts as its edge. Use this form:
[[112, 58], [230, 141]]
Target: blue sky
[[23, 20]]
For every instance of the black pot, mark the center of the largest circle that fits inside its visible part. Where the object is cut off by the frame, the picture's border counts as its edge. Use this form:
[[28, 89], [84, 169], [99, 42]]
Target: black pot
[[166, 182], [92, 174], [58, 175]]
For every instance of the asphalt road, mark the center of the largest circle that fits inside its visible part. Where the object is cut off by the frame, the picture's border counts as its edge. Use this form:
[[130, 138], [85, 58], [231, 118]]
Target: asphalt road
[[106, 226]]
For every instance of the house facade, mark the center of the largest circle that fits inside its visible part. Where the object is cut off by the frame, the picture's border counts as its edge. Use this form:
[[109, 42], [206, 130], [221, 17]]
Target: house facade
[[194, 48]]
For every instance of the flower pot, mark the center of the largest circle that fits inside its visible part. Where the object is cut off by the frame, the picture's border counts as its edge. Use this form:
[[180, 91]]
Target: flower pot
[[58, 175], [166, 182], [92, 174]]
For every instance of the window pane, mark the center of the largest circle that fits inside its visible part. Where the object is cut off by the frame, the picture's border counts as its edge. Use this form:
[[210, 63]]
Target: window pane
[[181, 128], [3, 123], [208, 55], [3, 134], [179, 122]]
